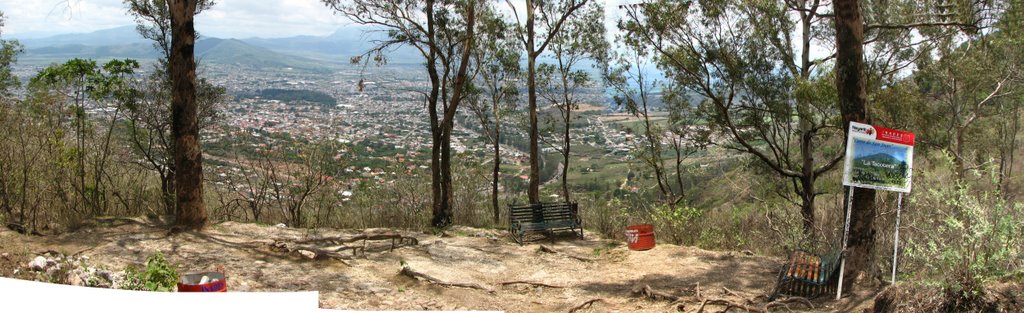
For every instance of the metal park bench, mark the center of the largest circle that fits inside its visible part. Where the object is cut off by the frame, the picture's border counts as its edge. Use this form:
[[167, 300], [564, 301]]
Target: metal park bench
[[809, 275], [543, 217]]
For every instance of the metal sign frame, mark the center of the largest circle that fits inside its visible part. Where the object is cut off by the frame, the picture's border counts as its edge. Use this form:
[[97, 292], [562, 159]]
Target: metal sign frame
[[893, 143]]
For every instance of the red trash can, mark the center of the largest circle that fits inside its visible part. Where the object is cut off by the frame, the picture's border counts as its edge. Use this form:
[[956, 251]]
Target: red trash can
[[640, 237], [218, 282]]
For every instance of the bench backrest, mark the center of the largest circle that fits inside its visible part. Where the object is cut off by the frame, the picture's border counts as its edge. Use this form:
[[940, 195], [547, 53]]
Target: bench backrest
[[541, 212], [830, 262]]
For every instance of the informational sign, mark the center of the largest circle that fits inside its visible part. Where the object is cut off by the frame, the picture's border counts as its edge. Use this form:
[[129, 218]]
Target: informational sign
[[878, 158]]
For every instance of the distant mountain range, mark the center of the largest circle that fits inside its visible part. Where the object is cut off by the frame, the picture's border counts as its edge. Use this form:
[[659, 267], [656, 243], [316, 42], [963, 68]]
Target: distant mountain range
[[879, 157], [299, 52]]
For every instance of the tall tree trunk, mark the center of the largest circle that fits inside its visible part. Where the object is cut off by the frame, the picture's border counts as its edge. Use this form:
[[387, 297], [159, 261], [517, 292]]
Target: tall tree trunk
[[443, 214], [445, 217], [678, 146], [852, 91], [565, 152], [497, 165], [188, 156], [807, 204], [531, 84], [436, 186], [807, 176], [437, 208]]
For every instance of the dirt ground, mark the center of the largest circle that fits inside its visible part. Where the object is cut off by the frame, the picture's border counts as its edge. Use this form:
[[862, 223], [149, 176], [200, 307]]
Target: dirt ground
[[579, 270]]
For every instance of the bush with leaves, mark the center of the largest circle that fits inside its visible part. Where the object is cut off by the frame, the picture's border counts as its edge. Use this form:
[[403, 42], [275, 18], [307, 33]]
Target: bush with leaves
[[969, 233], [158, 276]]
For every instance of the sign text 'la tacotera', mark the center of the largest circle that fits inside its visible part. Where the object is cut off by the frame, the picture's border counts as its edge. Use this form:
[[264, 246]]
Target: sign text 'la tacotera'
[[878, 158]]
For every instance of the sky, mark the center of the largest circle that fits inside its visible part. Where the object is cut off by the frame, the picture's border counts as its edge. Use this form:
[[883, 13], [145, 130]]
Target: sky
[[227, 19]]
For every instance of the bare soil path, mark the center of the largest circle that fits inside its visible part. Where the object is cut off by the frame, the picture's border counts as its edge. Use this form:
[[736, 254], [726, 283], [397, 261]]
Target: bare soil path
[[513, 278]]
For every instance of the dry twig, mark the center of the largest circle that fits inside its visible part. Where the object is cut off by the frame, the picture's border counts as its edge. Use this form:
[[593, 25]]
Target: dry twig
[[785, 303], [728, 305], [649, 293], [730, 292], [408, 271], [546, 249], [585, 305], [529, 283]]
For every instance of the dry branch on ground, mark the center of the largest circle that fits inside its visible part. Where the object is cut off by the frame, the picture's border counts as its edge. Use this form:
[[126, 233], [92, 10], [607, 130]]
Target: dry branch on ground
[[516, 282], [408, 271], [585, 305], [546, 249]]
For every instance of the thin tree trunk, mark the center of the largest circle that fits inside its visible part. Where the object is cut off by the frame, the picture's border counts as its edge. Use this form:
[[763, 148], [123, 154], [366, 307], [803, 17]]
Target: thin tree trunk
[[565, 152], [533, 193], [852, 91], [807, 176], [807, 204], [188, 157], [497, 165], [677, 145]]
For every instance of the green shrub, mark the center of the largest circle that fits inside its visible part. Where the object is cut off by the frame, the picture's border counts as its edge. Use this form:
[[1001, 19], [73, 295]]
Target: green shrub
[[973, 234], [158, 276]]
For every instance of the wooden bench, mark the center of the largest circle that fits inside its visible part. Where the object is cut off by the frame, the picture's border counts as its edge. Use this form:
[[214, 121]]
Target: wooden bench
[[809, 275], [543, 217]]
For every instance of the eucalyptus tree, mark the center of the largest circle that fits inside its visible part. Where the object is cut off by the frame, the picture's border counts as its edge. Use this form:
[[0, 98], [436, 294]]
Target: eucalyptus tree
[[891, 31], [80, 86], [443, 32], [762, 90], [497, 71], [582, 38], [150, 121], [543, 21], [627, 72], [188, 154], [9, 50]]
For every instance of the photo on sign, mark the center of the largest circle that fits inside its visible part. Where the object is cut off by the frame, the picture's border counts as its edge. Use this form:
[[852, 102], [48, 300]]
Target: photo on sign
[[879, 164]]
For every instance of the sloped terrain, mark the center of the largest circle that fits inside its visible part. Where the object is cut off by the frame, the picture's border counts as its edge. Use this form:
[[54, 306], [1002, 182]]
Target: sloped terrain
[[466, 268]]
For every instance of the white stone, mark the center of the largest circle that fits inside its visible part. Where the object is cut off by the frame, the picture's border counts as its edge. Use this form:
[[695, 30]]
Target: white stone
[[37, 264], [282, 225], [308, 254]]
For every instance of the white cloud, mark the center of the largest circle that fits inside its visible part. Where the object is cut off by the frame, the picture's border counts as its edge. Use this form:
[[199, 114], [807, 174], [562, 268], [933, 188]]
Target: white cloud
[[228, 18], [43, 17]]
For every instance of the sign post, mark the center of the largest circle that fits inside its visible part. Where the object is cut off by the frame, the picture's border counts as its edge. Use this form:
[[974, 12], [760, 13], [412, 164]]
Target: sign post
[[876, 158], [846, 232], [896, 238]]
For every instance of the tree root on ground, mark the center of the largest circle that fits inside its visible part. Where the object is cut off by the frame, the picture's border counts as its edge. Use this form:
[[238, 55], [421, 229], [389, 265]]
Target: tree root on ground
[[516, 282], [397, 240], [585, 305], [546, 249], [647, 292], [785, 303], [729, 305], [331, 247], [408, 271]]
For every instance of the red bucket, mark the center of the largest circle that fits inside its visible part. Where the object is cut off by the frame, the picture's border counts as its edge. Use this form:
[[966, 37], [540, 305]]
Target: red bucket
[[192, 282], [640, 237]]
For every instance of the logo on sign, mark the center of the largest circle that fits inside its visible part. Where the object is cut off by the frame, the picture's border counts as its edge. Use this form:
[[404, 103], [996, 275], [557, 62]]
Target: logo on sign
[[213, 287], [862, 129], [632, 236]]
